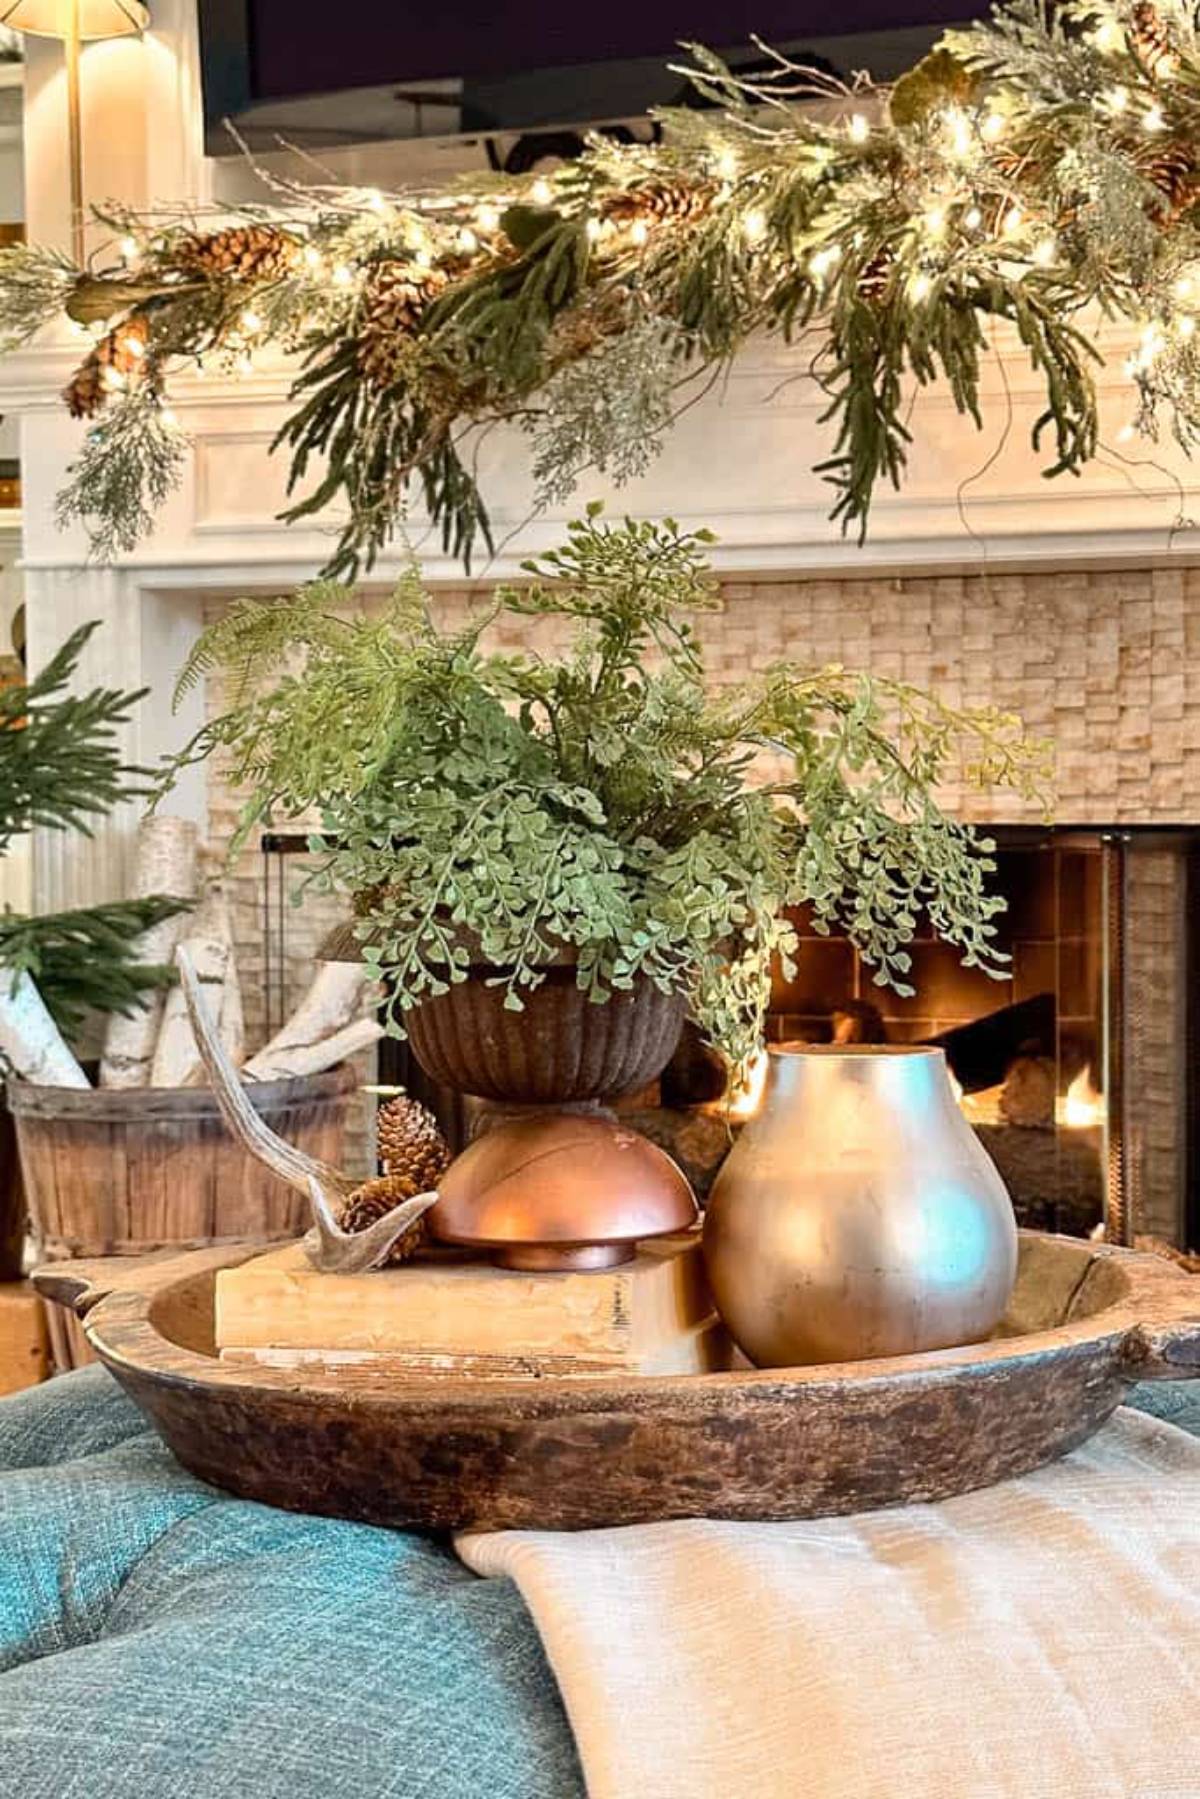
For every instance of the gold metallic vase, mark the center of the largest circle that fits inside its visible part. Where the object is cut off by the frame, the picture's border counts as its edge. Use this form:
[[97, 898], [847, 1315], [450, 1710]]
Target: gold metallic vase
[[858, 1214]]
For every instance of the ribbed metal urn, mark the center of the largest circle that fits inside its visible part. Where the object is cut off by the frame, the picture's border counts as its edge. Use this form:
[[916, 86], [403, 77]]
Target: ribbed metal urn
[[858, 1214]]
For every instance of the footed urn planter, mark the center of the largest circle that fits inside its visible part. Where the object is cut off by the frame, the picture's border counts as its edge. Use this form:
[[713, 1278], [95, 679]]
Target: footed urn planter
[[858, 1214], [561, 1049]]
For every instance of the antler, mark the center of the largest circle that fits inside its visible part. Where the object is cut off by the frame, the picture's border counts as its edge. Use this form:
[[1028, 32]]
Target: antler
[[352, 1252], [328, 1247]]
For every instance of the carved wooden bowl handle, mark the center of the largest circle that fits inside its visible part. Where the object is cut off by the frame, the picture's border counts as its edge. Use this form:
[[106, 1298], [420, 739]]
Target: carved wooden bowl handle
[[1165, 1351], [83, 1284]]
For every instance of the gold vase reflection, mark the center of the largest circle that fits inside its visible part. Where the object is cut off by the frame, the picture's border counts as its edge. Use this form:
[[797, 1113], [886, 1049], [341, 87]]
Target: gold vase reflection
[[858, 1214]]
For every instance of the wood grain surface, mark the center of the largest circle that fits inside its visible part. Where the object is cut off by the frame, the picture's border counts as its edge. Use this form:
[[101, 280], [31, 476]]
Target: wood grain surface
[[1085, 1322]]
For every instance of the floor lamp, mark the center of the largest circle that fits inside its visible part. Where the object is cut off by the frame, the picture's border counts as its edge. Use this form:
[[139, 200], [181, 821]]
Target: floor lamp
[[75, 22]]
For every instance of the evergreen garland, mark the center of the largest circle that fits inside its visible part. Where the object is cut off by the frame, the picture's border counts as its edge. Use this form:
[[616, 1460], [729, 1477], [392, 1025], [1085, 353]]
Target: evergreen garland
[[1030, 167]]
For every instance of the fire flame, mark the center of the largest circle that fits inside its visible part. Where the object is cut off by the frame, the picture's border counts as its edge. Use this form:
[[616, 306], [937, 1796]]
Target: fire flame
[[1082, 1106], [745, 1096]]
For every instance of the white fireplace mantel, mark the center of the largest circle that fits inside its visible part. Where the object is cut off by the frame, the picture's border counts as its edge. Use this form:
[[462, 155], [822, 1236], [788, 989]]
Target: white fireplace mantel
[[740, 461]]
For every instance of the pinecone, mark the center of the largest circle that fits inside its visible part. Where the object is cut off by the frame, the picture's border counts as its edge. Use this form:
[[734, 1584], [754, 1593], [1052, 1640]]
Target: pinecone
[[85, 393], [410, 1142], [1151, 41], [875, 276], [394, 297], [1171, 168], [372, 1200], [239, 253], [122, 350], [659, 200]]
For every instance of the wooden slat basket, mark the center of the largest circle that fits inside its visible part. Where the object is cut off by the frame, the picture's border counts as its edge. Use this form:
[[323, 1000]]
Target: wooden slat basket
[[126, 1171]]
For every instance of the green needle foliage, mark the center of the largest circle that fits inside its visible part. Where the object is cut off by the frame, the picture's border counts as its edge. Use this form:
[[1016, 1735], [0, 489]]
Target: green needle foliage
[[1037, 174], [61, 768], [60, 765], [603, 799], [81, 962]]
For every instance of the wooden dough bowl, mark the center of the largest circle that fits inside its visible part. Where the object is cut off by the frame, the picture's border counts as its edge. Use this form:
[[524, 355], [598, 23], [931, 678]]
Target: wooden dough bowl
[[452, 1454]]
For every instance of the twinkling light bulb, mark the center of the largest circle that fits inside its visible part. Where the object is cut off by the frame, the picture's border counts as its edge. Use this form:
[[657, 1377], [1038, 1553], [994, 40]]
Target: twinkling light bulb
[[488, 217], [993, 126], [113, 379], [312, 256], [1153, 119], [541, 193], [727, 163], [859, 128], [1186, 326], [467, 240], [375, 200], [639, 231], [920, 285], [1044, 252], [1013, 220], [935, 222], [342, 276], [754, 225], [1150, 346], [251, 320], [1117, 99], [129, 248], [1127, 433], [133, 347], [168, 416], [959, 134], [593, 227], [1185, 287], [1108, 37], [972, 218], [823, 260]]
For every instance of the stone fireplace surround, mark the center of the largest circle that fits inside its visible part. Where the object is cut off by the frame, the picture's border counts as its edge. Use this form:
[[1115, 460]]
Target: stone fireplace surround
[[1074, 602]]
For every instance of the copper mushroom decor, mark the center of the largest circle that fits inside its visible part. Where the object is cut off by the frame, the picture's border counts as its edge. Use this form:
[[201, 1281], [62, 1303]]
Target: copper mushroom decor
[[560, 1191]]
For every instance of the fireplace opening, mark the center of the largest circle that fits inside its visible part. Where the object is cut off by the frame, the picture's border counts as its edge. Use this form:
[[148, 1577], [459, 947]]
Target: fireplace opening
[[1077, 1068]]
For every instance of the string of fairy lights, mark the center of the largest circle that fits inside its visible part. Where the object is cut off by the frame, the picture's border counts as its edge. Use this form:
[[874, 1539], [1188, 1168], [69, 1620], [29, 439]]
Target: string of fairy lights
[[1031, 167]]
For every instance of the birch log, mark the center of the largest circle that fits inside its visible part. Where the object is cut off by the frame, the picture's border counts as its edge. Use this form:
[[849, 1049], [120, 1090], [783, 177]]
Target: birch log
[[165, 862], [30, 1041], [177, 1058], [312, 1058], [331, 1004], [213, 921]]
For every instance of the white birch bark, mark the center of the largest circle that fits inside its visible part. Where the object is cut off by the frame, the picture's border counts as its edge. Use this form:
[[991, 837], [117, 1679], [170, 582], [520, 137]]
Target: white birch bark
[[312, 1058], [176, 1058], [332, 1003], [165, 863], [30, 1041]]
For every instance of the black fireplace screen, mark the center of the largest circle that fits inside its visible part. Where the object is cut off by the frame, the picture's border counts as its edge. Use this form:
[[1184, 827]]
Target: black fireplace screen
[[1076, 1069]]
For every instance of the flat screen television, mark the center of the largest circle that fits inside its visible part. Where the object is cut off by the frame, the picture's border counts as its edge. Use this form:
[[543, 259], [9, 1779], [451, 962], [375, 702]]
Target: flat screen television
[[477, 66]]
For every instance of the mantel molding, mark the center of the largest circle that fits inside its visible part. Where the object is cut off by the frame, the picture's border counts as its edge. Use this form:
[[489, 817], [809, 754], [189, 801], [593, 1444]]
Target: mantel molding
[[740, 460]]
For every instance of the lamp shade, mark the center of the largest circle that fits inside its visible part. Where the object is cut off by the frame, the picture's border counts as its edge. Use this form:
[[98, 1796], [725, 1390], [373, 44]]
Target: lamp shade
[[97, 18]]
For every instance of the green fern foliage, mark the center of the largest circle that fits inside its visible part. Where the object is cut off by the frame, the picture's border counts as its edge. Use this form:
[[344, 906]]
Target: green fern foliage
[[604, 798]]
